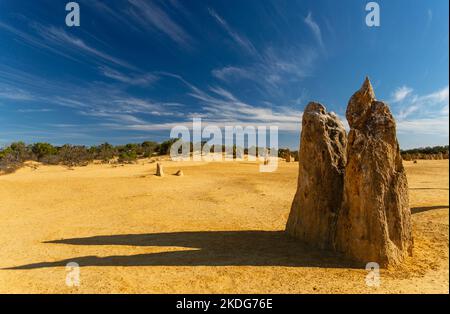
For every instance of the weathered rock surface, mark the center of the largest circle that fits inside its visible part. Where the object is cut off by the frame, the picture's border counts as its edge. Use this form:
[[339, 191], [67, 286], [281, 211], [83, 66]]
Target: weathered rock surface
[[374, 222], [320, 182], [159, 170]]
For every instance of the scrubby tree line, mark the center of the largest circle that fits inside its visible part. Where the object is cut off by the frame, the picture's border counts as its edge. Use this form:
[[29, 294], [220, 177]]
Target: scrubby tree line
[[14, 155], [427, 150], [436, 152]]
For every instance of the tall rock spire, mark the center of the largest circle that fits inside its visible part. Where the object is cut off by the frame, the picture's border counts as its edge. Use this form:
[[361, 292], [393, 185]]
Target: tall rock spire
[[352, 193], [316, 204], [374, 223]]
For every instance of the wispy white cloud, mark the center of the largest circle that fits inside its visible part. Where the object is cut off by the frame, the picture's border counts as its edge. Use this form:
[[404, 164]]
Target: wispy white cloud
[[58, 41], [428, 126], [141, 80], [407, 111], [151, 16], [242, 41], [34, 41], [113, 116], [107, 12], [102, 102], [315, 28], [11, 75], [423, 114], [231, 72], [401, 93], [62, 39], [128, 110], [433, 104], [220, 107], [31, 110], [440, 96], [12, 93], [273, 69], [225, 108]]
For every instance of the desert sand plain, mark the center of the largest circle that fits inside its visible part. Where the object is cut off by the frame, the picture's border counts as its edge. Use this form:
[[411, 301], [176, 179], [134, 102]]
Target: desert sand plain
[[217, 229]]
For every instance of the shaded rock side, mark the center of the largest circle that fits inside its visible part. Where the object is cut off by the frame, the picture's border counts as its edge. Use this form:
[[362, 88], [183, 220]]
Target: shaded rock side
[[320, 180], [374, 223]]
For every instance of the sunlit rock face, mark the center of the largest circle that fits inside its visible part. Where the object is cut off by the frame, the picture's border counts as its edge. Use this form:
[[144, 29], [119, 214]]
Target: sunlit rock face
[[374, 223], [322, 160], [352, 193]]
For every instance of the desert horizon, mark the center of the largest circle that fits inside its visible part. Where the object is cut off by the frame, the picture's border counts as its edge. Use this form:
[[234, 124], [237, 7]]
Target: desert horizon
[[133, 232]]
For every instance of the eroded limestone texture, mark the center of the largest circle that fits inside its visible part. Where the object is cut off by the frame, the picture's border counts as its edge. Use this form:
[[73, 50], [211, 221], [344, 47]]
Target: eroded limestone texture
[[322, 160], [374, 222]]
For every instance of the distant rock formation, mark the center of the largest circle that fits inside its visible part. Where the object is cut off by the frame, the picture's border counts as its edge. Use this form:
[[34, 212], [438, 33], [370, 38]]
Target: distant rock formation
[[374, 223], [159, 170], [179, 173], [352, 193], [320, 181]]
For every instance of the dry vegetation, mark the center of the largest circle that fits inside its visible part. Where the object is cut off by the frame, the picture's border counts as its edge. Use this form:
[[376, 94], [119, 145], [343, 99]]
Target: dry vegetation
[[217, 229]]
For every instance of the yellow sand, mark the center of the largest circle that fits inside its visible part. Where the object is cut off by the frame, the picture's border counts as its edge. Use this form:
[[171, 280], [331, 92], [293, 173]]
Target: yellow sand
[[218, 229]]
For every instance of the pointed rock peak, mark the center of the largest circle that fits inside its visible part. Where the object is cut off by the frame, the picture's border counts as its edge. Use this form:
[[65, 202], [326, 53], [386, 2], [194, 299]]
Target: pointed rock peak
[[359, 103], [367, 88]]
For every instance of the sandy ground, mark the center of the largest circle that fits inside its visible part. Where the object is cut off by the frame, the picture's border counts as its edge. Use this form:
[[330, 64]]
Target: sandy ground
[[218, 229]]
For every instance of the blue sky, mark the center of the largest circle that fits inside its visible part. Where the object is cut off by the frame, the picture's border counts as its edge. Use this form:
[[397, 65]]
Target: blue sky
[[134, 69]]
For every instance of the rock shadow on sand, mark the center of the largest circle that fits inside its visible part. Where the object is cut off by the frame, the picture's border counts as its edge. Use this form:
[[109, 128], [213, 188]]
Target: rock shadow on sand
[[416, 210], [206, 248]]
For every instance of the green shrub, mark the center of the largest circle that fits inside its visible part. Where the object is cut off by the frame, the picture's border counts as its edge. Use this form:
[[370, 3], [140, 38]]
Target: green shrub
[[127, 157], [164, 147], [149, 148], [104, 152], [75, 155], [8, 161], [284, 153], [43, 151]]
